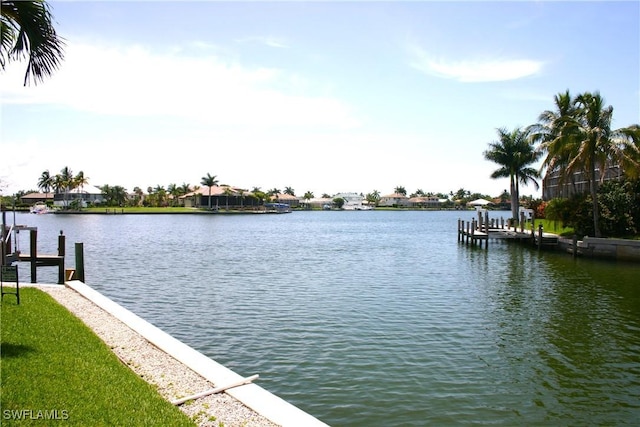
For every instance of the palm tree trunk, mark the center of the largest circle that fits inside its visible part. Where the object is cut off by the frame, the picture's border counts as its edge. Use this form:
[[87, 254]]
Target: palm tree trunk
[[594, 200], [514, 199]]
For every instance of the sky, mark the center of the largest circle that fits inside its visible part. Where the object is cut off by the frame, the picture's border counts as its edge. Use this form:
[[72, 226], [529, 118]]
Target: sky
[[319, 96]]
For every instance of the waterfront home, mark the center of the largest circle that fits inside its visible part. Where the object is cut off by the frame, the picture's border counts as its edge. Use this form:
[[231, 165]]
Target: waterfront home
[[33, 198], [319, 203], [288, 199], [395, 199], [425, 202], [82, 196], [553, 184], [221, 196], [352, 201]]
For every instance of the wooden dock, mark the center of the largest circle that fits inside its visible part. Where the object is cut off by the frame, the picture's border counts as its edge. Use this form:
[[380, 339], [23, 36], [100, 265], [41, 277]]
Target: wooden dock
[[479, 231], [11, 254]]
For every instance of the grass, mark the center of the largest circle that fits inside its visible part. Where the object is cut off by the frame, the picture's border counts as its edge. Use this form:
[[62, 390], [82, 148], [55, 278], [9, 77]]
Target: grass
[[554, 227], [53, 366]]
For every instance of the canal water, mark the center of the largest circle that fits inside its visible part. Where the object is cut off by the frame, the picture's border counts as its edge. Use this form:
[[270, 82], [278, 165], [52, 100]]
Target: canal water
[[377, 318]]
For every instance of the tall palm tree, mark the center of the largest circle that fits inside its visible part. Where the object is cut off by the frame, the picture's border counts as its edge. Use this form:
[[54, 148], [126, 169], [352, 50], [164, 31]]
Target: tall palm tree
[[45, 182], [174, 192], [514, 152], [551, 132], [26, 30], [373, 197], [400, 190], [64, 183], [582, 141], [79, 181], [275, 192], [139, 196], [209, 181]]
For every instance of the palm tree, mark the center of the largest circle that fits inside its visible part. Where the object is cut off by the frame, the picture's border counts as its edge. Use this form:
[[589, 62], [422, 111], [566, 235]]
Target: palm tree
[[289, 191], [174, 192], [551, 132], [514, 152], [578, 138], [373, 197], [209, 181], [139, 196], [161, 195], [79, 181], [45, 182], [274, 192], [307, 198], [26, 30], [63, 182], [400, 190]]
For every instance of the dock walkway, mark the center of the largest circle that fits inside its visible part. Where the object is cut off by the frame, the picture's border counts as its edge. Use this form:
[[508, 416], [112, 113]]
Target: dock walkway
[[480, 230]]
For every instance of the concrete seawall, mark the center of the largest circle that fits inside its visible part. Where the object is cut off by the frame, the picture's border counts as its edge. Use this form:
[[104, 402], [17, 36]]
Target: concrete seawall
[[593, 247], [252, 395]]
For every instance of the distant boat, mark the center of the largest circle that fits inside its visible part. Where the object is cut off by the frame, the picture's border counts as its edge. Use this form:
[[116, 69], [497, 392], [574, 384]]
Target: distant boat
[[277, 208], [40, 208]]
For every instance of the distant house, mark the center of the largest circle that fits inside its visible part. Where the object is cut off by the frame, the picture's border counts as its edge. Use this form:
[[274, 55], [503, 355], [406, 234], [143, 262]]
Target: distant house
[[425, 202], [320, 203], [221, 197], [33, 198], [352, 201], [288, 199], [84, 196], [395, 199]]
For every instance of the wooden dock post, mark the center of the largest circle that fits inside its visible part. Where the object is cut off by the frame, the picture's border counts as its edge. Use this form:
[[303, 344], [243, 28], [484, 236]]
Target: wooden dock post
[[33, 254], [575, 245], [80, 261], [468, 232], [61, 253], [539, 236], [474, 224]]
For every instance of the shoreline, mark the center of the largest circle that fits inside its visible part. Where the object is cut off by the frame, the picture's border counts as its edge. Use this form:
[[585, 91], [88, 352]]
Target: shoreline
[[178, 371]]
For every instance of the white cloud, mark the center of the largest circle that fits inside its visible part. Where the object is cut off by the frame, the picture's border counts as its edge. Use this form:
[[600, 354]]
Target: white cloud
[[468, 71], [271, 41], [134, 81]]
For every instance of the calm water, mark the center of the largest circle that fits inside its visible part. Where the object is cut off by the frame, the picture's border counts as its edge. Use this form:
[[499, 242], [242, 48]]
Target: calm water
[[377, 318]]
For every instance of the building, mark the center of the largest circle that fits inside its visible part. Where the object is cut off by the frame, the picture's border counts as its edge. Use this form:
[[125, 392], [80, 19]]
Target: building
[[425, 202], [221, 197], [352, 201], [81, 197], [33, 198], [553, 186], [395, 199]]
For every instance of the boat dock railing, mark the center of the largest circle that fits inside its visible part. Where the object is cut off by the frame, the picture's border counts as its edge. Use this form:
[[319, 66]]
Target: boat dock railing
[[479, 230]]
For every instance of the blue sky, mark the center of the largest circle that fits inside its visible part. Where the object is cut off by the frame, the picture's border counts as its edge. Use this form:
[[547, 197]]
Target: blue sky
[[320, 96]]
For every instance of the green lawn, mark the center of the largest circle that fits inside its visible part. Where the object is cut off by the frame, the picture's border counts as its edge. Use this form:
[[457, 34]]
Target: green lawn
[[554, 227], [53, 367]]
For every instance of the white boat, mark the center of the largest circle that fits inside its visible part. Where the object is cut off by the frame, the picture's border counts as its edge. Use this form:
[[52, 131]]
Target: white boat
[[40, 208]]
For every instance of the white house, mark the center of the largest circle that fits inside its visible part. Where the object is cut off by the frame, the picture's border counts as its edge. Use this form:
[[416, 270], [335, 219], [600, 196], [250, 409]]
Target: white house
[[352, 201], [85, 195]]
